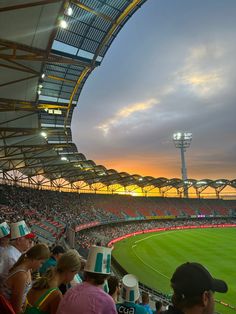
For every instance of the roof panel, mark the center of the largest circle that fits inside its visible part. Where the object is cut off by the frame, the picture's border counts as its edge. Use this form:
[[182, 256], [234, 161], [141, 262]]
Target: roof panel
[[41, 22], [101, 24]]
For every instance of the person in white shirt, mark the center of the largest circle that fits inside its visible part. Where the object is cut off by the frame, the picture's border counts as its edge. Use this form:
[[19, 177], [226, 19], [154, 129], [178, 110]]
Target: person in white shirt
[[4, 235], [4, 241], [21, 241]]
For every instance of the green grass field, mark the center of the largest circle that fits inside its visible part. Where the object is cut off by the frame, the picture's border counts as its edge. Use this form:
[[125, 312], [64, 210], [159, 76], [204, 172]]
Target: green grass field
[[153, 257]]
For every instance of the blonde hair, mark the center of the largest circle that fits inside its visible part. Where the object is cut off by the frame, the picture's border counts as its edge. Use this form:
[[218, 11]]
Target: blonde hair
[[37, 252], [69, 261]]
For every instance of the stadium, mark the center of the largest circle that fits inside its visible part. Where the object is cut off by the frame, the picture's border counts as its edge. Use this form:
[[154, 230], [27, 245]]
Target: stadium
[[153, 224]]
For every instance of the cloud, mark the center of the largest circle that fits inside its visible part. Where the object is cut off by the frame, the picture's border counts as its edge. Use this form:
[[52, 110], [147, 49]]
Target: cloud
[[203, 84], [126, 113], [202, 72]]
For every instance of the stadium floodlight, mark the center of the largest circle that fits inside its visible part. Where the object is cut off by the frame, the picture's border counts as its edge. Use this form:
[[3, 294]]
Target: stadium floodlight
[[182, 140]]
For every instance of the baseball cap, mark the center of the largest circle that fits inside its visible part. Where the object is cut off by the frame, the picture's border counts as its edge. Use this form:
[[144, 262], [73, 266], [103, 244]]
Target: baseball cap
[[192, 279]]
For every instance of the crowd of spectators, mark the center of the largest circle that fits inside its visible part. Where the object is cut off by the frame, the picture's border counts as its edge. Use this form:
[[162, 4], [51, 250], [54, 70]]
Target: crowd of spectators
[[79, 208], [105, 233], [74, 209], [39, 204], [116, 216]]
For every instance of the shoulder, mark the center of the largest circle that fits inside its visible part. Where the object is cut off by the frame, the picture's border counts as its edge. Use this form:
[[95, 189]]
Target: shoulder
[[18, 278], [51, 262], [13, 250], [12, 253], [55, 296], [19, 274], [141, 309], [107, 297], [107, 303]]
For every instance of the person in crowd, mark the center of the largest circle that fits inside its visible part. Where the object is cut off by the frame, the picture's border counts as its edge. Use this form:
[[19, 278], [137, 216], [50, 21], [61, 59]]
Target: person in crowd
[[57, 252], [158, 307], [4, 242], [18, 282], [4, 236], [130, 294], [145, 302], [114, 287], [89, 297], [21, 241], [44, 296], [194, 289]]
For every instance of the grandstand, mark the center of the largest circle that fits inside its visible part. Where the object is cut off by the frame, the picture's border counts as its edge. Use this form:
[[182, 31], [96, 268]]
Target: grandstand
[[44, 179], [102, 218], [50, 212]]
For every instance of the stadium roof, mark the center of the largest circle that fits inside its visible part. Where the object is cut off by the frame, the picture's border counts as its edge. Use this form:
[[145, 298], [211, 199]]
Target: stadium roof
[[47, 51]]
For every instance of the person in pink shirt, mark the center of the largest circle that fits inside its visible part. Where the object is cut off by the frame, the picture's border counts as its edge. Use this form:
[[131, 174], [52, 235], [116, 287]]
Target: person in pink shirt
[[89, 297]]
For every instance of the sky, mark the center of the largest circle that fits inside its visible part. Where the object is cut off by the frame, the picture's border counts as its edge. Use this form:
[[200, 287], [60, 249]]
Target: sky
[[171, 68]]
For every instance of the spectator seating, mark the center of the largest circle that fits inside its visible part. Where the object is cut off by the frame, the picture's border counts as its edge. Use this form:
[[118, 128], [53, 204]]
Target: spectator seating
[[50, 212]]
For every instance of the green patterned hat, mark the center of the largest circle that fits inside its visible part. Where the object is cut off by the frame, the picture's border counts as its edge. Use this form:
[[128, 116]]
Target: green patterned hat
[[4, 230]]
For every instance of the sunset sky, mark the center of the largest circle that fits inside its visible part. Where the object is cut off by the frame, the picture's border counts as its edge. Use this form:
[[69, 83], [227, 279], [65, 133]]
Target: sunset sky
[[172, 67]]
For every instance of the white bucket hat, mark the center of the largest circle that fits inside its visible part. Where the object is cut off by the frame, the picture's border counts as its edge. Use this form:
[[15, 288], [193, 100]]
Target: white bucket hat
[[4, 229], [20, 229], [130, 289], [99, 260]]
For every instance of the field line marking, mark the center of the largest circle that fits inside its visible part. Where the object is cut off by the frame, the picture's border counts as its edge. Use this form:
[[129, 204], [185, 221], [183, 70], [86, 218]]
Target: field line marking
[[153, 235], [149, 266]]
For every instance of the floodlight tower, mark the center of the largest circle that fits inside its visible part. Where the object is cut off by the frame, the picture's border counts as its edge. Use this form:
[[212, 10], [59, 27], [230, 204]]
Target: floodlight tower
[[182, 140]]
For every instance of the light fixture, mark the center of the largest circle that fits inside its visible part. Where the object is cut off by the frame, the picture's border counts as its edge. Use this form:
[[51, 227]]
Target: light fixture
[[43, 76], [63, 24], [201, 183], [39, 91], [182, 139], [64, 158], [43, 134], [69, 11]]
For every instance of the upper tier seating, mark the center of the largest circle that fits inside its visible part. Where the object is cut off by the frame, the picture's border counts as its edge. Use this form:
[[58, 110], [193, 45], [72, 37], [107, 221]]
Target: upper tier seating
[[52, 212]]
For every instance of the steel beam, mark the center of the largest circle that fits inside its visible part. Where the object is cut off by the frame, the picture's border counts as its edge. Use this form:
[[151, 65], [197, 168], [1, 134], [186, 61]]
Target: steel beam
[[34, 54], [27, 5]]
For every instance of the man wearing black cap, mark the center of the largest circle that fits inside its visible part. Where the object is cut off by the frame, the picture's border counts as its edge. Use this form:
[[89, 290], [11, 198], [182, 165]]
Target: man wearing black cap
[[193, 289]]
